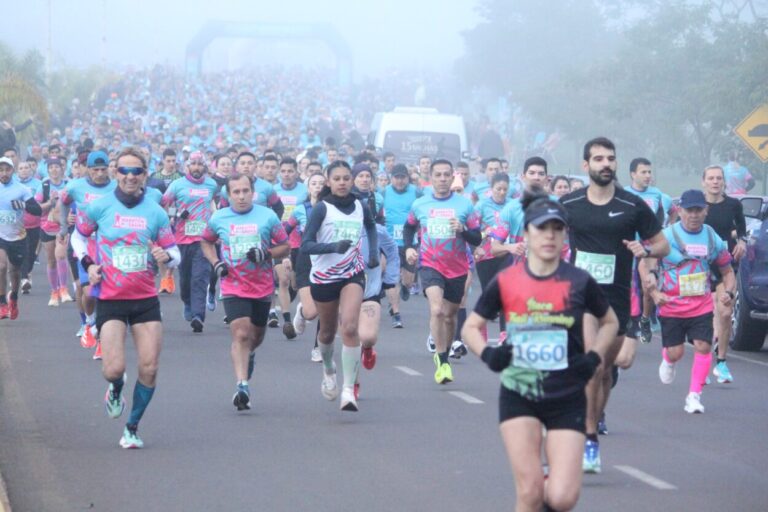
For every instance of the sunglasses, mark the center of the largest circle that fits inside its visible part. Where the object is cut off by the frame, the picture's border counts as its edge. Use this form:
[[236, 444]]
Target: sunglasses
[[135, 171]]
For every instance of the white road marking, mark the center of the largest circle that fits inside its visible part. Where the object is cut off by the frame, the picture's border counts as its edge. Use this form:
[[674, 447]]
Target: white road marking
[[747, 359], [646, 478], [467, 398], [408, 371]]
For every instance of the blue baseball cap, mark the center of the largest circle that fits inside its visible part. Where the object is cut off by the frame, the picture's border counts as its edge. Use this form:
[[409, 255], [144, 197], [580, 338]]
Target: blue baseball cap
[[693, 199], [98, 159]]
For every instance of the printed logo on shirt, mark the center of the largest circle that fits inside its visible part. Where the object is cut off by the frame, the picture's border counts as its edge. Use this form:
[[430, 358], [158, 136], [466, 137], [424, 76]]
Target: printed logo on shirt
[[289, 199], [697, 250], [198, 192], [615, 214], [128, 222], [442, 213], [243, 229], [89, 197]]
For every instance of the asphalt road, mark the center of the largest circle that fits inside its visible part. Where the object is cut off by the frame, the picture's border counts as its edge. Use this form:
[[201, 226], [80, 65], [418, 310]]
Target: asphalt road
[[414, 445]]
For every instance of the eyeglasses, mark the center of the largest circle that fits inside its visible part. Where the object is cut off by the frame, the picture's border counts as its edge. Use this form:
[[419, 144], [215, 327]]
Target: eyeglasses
[[135, 171]]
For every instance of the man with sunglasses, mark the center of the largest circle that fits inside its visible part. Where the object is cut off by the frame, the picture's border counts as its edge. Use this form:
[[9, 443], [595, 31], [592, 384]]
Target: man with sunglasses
[[78, 194], [193, 198], [129, 229]]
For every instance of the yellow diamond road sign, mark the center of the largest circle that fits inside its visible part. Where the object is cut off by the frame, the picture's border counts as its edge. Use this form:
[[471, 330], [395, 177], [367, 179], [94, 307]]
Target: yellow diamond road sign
[[753, 130]]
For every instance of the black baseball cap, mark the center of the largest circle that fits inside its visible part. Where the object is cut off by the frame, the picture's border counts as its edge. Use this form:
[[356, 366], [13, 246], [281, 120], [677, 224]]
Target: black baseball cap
[[544, 210]]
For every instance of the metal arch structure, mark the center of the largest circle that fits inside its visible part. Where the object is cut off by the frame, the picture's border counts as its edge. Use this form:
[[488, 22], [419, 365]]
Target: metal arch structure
[[324, 32]]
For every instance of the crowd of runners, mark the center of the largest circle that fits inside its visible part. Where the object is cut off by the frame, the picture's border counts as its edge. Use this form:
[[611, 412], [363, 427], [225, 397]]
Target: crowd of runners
[[292, 230]]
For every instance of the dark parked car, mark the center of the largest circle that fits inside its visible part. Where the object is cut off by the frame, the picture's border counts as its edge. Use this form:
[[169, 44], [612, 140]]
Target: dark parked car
[[750, 309]]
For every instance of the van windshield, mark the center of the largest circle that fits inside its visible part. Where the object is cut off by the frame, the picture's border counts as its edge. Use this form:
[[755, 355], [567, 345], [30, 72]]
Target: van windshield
[[409, 146]]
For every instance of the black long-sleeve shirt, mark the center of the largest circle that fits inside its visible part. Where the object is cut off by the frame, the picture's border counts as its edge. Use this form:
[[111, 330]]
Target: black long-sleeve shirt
[[726, 216], [309, 243]]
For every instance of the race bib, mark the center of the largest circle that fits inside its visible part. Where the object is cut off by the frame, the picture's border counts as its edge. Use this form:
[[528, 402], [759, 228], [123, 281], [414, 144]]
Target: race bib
[[7, 217], [346, 230], [239, 245], [130, 258], [194, 227], [693, 285], [288, 211], [397, 231], [600, 266], [439, 228], [540, 349]]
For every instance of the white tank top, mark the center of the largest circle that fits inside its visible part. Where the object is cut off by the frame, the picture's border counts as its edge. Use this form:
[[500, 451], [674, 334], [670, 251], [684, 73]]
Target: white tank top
[[337, 226]]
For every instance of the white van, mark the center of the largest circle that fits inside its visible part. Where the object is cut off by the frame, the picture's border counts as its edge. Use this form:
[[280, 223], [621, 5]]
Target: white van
[[410, 132]]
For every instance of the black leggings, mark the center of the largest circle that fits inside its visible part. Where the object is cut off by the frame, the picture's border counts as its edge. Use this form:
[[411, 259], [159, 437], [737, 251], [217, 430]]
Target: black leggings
[[486, 271], [33, 239]]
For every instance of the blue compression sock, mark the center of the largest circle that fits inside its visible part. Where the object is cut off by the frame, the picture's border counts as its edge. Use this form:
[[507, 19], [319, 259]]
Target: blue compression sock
[[141, 398]]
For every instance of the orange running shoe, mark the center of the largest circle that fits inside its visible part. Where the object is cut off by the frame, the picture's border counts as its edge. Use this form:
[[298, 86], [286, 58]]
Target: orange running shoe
[[13, 309], [171, 284], [88, 340], [55, 300], [163, 286], [64, 295], [97, 353]]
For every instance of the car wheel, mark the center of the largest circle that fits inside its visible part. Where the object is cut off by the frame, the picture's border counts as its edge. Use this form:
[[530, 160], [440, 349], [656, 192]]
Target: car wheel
[[747, 334]]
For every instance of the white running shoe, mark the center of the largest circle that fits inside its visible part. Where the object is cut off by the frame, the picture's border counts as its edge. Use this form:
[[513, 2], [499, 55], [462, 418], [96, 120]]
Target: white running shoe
[[299, 322], [329, 388], [693, 403], [666, 372], [458, 350], [430, 344], [348, 402], [316, 356]]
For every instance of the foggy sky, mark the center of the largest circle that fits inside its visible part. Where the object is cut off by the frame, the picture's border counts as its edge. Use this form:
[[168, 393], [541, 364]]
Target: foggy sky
[[383, 34]]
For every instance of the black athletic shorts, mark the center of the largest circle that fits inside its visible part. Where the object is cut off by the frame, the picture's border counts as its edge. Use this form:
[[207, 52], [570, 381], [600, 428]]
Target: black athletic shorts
[[130, 312], [569, 412], [453, 288], [45, 237], [15, 250], [257, 310], [330, 292], [404, 262], [675, 331], [619, 300]]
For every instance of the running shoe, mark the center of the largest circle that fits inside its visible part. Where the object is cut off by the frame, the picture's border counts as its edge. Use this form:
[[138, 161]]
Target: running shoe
[[131, 439], [602, 426], [299, 322], [415, 289], [88, 338], [397, 322], [316, 356], [722, 373], [64, 295], [655, 325], [242, 399], [645, 330], [329, 388], [187, 313], [26, 286], [458, 350], [54, 301], [114, 403], [80, 331], [430, 344], [348, 402], [357, 391], [666, 372], [13, 309], [197, 325], [210, 299], [405, 293], [97, 352], [165, 286], [443, 373], [251, 364], [369, 358], [273, 321], [288, 330], [4, 312], [693, 403], [591, 462]]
